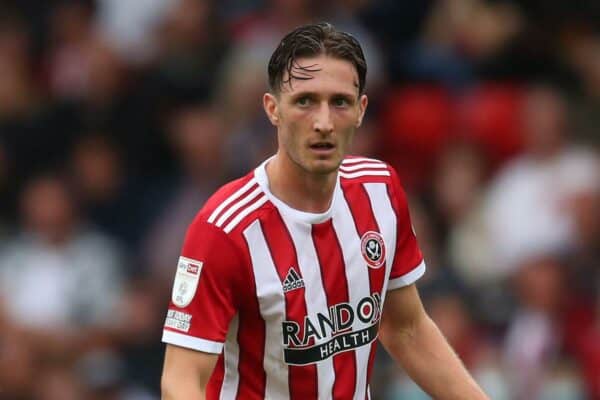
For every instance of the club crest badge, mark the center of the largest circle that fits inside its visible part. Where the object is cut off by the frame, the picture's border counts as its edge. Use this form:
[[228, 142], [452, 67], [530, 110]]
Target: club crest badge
[[186, 281], [373, 249]]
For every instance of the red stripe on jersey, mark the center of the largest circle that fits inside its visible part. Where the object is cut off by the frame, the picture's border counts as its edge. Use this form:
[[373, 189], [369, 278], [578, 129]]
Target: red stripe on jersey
[[302, 379], [364, 219], [335, 283], [213, 388], [251, 339]]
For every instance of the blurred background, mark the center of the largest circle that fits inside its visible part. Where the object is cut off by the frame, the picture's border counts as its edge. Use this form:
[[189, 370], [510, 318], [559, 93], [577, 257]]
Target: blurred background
[[119, 117]]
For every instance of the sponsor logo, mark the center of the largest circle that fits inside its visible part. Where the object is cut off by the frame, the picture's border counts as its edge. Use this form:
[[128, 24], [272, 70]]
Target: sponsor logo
[[178, 320], [186, 281], [326, 335], [193, 269], [373, 249], [292, 281]]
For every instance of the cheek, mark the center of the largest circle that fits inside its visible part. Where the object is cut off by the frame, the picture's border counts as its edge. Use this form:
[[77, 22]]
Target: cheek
[[291, 138]]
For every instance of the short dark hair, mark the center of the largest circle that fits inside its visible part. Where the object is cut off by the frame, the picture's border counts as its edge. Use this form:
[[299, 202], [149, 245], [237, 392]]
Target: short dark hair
[[309, 41]]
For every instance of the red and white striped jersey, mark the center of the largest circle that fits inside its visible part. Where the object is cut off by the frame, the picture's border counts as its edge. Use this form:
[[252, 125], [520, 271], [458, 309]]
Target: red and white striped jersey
[[292, 300]]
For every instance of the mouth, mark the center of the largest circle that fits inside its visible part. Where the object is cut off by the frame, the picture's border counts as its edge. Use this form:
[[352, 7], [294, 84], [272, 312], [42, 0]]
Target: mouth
[[322, 147]]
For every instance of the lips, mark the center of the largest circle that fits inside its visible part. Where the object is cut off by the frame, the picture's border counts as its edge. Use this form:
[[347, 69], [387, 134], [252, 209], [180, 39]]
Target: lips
[[322, 146]]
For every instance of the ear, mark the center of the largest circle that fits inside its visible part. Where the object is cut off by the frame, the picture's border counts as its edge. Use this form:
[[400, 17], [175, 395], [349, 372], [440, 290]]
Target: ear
[[363, 101], [271, 107]]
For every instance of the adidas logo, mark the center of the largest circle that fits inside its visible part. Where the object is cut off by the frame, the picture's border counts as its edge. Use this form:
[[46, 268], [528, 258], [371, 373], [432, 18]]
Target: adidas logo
[[292, 281]]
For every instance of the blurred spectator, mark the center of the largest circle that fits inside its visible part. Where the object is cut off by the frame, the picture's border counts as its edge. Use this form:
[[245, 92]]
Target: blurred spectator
[[192, 45], [197, 137], [57, 381], [456, 37], [458, 183], [534, 348], [102, 375], [129, 26], [18, 362], [527, 208], [110, 199], [68, 58], [139, 347], [61, 282]]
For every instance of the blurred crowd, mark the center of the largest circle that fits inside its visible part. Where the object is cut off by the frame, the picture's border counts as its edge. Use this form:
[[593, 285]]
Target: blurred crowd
[[119, 117]]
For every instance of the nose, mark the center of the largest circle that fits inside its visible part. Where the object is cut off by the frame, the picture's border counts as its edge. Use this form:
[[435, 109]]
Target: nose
[[322, 122]]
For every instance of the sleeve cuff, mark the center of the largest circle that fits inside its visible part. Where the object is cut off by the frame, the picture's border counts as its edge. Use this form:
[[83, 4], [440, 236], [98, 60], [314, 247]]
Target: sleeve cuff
[[190, 342], [408, 278]]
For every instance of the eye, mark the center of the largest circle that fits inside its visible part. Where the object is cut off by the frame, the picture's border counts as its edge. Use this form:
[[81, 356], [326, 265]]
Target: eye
[[340, 102], [303, 101]]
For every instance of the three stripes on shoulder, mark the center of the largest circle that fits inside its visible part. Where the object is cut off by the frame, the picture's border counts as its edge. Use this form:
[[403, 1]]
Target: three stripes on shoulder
[[362, 166]]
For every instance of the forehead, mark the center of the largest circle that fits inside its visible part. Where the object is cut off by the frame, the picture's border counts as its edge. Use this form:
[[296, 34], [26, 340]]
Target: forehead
[[321, 74]]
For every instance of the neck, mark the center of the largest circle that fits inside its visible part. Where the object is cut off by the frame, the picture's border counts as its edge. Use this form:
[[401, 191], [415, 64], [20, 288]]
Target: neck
[[298, 188]]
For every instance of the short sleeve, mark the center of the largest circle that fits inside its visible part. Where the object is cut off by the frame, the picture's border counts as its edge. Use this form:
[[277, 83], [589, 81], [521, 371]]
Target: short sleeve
[[205, 290], [408, 265]]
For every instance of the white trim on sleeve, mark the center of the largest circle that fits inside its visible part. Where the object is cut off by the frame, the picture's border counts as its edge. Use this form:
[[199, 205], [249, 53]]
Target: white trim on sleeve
[[190, 342], [407, 278]]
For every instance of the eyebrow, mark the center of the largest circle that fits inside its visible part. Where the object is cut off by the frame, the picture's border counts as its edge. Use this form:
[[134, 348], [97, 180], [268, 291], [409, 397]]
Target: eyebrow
[[315, 95]]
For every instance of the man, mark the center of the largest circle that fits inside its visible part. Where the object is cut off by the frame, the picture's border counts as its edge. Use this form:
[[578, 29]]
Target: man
[[280, 288]]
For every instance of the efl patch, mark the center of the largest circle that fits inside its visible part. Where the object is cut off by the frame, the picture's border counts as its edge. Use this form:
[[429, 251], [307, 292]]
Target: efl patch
[[186, 281], [373, 249], [178, 320]]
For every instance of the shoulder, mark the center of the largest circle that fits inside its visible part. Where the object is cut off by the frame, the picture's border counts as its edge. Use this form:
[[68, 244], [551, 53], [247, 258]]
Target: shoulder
[[355, 169], [363, 172], [230, 205]]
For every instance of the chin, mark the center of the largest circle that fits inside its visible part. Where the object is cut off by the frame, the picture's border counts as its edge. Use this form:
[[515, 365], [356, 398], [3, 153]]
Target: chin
[[324, 167]]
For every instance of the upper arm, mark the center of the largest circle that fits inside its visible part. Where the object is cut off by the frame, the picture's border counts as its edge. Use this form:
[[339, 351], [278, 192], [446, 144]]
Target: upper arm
[[209, 282], [402, 313], [186, 372], [408, 264]]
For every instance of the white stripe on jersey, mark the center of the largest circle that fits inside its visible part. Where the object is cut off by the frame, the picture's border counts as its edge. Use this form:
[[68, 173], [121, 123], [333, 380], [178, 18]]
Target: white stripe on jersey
[[231, 198], [359, 159], [234, 222], [238, 204], [364, 173], [231, 356], [190, 342], [314, 295], [358, 166], [267, 281], [345, 228], [386, 220]]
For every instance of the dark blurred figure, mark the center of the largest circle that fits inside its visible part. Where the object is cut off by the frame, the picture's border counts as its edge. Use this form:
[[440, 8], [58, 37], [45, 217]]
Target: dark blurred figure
[[56, 380], [582, 321], [102, 376], [60, 282], [533, 353], [111, 199], [139, 348], [26, 143], [18, 362], [458, 184], [195, 132]]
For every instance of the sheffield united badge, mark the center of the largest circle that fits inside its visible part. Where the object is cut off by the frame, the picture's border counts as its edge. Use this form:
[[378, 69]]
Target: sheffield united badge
[[373, 249]]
